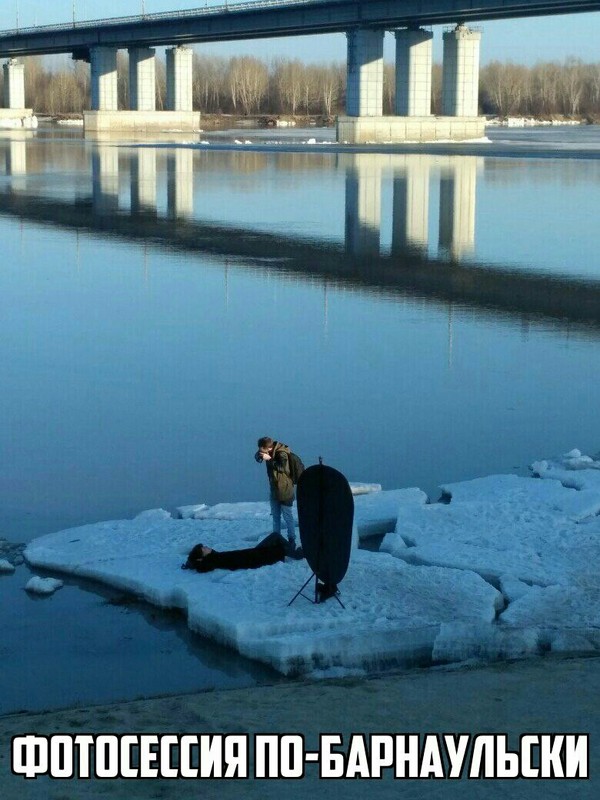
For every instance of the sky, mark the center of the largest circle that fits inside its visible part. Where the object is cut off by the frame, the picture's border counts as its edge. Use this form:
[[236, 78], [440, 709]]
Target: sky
[[524, 41]]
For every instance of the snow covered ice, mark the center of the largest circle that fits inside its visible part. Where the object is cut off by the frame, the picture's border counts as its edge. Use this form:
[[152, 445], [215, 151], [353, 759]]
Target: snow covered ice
[[537, 540], [392, 610], [505, 569], [37, 585]]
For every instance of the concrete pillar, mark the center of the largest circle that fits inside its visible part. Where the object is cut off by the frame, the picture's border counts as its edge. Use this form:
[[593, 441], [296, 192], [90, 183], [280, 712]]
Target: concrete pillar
[[142, 79], [457, 207], [363, 206], [460, 73], [364, 89], [410, 219], [413, 72], [103, 62], [14, 84], [105, 178], [179, 78], [143, 181], [180, 183]]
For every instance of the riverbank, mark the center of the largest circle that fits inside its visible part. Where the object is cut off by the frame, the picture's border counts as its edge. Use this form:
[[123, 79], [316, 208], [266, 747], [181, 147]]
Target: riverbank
[[217, 122], [550, 695]]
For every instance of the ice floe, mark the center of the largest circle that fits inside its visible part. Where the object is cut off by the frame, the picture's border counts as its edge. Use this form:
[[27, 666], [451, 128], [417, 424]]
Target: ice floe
[[37, 585], [530, 529], [506, 568], [29, 122], [73, 123], [189, 512], [6, 567], [538, 541], [364, 488], [573, 470], [392, 615]]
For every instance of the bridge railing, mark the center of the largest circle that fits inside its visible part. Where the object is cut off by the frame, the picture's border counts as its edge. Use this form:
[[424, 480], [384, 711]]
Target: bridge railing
[[223, 8]]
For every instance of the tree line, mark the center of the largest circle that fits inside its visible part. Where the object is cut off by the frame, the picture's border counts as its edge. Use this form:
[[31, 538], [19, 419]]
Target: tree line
[[247, 85]]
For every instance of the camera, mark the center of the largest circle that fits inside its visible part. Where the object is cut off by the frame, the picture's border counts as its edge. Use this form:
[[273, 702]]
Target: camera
[[258, 456]]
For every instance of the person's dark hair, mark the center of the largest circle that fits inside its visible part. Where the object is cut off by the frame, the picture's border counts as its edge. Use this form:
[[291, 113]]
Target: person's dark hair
[[264, 442], [195, 557]]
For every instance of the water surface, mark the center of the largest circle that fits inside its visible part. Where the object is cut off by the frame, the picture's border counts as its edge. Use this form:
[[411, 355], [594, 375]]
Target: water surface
[[413, 317]]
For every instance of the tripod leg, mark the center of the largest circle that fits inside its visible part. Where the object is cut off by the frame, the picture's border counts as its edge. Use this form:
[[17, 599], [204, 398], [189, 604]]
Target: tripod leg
[[299, 592]]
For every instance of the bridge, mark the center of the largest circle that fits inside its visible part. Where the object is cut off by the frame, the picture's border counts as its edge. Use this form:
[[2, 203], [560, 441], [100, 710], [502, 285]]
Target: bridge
[[269, 18], [364, 22]]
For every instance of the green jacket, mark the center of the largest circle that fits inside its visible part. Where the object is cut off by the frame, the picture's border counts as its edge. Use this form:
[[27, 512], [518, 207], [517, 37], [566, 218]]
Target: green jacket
[[278, 470]]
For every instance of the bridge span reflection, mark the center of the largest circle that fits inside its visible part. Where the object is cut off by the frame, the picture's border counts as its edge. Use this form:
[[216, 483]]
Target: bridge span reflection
[[147, 194], [412, 176]]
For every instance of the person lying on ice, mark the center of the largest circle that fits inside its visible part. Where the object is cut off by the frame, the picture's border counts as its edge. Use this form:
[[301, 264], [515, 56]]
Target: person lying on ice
[[269, 551]]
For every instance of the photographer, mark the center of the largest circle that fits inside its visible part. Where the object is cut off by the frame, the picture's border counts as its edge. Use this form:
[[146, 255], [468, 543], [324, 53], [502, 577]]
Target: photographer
[[276, 457]]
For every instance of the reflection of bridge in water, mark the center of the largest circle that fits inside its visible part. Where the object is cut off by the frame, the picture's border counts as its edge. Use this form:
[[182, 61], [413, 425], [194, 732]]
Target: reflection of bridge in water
[[410, 227], [358, 262]]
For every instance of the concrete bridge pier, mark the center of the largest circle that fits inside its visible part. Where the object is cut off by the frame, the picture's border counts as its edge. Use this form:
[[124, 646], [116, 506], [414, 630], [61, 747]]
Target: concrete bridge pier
[[142, 79], [14, 94], [364, 85], [364, 88], [142, 116], [104, 87], [414, 49], [14, 84], [179, 78], [460, 72], [364, 120]]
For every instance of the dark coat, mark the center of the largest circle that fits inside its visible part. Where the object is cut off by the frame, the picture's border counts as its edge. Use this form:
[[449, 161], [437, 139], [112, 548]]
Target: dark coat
[[278, 471], [269, 551]]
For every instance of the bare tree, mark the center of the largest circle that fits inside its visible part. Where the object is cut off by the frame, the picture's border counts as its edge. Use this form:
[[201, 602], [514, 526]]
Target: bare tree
[[248, 80], [436, 89], [209, 82], [329, 86], [122, 79], [544, 88], [571, 86], [288, 80], [160, 88], [506, 86], [308, 88], [389, 88]]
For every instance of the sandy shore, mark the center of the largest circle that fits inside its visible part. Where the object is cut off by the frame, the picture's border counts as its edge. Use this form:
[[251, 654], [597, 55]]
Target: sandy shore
[[546, 695]]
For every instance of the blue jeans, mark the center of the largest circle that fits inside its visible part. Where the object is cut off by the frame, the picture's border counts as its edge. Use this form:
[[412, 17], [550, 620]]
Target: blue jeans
[[277, 509]]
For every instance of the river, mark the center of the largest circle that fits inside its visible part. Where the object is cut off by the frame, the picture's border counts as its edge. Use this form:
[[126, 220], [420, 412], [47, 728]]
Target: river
[[412, 316]]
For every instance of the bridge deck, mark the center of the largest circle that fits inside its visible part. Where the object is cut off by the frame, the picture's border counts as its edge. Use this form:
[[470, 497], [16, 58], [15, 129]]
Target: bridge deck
[[270, 18]]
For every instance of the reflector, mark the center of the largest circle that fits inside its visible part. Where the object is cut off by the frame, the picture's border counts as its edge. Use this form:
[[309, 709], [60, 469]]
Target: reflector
[[325, 515]]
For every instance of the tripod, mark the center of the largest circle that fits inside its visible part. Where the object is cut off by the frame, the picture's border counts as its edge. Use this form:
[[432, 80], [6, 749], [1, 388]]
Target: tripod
[[318, 599]]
